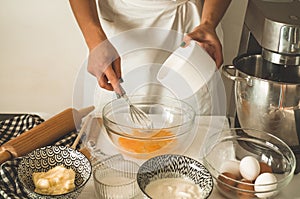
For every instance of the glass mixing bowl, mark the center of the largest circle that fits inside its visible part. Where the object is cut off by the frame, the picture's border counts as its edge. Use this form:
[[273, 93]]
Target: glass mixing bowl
[[171, 132], [222, 155]]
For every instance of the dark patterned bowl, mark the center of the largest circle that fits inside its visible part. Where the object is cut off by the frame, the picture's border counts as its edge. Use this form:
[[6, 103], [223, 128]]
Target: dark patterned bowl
[[46, 158], [175, 166]]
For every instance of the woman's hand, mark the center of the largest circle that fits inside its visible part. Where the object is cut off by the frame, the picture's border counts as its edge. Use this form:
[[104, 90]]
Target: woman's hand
[[205, 34], [104, 60], [104, 63], [206, 37]]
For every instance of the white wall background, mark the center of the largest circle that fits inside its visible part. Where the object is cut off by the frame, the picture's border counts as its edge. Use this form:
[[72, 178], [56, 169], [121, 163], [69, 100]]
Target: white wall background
[[42, 50]]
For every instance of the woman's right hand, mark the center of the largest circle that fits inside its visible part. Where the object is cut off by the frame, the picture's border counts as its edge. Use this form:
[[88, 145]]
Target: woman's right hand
[[104, 60], [104, 63]]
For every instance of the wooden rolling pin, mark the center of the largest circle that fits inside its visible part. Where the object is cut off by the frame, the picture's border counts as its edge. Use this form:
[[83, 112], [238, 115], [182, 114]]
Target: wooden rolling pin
[[44, 133]]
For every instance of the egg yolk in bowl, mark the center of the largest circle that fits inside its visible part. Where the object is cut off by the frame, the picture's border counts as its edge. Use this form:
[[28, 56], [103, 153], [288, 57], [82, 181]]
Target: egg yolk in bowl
[[149, 145]]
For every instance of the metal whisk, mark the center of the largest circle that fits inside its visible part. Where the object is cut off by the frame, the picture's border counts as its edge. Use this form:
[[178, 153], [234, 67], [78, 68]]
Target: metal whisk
[[137, 115]]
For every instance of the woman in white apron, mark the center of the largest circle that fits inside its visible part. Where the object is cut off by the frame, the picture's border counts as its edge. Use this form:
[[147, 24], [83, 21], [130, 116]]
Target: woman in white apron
[[138, 35]]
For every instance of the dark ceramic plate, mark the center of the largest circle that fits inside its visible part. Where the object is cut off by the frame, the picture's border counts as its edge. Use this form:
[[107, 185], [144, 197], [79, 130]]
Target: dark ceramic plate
[[175, 166]]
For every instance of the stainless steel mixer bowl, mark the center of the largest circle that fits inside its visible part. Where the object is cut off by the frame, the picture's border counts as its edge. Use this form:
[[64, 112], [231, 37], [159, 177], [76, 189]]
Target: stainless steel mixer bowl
[[267, 96]]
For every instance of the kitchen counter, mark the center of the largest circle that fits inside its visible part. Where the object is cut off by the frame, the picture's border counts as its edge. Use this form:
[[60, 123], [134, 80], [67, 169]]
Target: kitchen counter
[[206, 125]]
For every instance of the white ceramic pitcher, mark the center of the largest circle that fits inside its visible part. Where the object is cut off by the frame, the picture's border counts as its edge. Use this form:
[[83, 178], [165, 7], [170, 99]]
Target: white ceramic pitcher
[[186, 70]]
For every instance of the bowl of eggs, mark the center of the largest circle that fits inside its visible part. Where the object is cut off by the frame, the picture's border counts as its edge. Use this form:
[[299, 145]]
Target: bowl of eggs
[[174, 176], [171, 130], [53, 172], [248, 163]]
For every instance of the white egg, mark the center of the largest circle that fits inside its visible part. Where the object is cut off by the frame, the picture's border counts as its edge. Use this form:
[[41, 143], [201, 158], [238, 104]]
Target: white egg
[[249, 168], [265, 182], [231, 166]]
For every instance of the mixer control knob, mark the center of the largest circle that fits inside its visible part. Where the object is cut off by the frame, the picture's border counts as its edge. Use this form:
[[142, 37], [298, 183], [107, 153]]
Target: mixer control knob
[[295, 47], [289, 41]]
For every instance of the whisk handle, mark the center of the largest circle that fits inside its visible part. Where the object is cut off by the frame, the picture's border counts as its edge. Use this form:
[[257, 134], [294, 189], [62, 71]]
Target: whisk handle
[[123, 92]]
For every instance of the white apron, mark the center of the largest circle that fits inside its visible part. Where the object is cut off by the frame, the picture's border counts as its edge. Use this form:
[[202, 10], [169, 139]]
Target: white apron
[[140, 31]]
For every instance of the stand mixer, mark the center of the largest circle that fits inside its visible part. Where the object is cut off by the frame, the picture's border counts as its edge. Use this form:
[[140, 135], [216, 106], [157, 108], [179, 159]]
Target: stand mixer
[[272, 27], [271, 30]]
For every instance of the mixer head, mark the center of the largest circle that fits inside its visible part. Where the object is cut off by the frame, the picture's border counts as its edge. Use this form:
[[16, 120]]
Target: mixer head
[[275, 25]]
